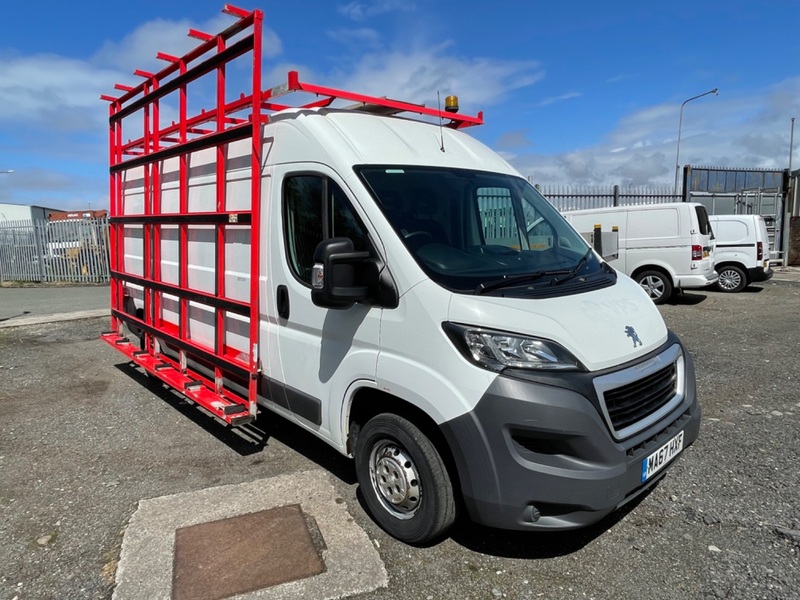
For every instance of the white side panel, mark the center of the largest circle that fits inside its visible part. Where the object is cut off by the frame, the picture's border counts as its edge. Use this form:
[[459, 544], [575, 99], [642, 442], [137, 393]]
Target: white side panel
[[133, 191], [169, 308], [203, 180], [136, 292], [237, 176], [201, 324], [730, 232], [237, 262], [169, 254], [201, 257], [237, 334], [133, 249], [170, 180], [657, 224]]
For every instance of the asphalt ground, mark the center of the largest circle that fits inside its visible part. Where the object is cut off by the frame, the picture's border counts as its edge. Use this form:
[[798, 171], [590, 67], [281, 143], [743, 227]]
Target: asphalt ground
[[84, 438], [29, 304]]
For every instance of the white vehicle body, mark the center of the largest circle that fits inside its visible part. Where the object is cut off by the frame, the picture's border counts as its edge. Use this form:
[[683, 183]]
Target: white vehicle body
[[664, 247], [741, 256], [324, 366], [392, 286]]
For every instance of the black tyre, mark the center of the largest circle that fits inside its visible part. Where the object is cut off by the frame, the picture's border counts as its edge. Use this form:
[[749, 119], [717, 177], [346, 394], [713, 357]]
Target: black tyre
[[731, 279], [403, 479], [657, 285]]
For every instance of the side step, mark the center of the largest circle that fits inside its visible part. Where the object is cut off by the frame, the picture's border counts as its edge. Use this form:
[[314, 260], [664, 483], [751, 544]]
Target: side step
[[230, 408]]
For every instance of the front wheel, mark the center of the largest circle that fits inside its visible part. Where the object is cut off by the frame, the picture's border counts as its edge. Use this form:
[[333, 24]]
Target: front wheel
[[731, 279], [404, 480], [657, 285]]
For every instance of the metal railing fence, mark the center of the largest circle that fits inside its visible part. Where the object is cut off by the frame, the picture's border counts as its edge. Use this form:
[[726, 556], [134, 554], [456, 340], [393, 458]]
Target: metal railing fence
[[52, 251], [576, 197]]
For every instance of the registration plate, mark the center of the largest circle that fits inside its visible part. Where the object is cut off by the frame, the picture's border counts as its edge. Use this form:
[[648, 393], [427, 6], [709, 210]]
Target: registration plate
[[661, 457]]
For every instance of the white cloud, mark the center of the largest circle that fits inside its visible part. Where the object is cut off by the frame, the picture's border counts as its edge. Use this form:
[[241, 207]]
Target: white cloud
[[360, 11], [51, 88], [417, 74], [561, 98], [356, 39], [138, 49], [743, 131], [621, 77]]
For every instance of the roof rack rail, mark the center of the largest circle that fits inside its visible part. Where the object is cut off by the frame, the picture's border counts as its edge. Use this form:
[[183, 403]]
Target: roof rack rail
[[379, 105]]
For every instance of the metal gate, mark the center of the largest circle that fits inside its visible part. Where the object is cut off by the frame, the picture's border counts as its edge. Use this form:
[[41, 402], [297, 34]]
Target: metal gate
[[51, 251]]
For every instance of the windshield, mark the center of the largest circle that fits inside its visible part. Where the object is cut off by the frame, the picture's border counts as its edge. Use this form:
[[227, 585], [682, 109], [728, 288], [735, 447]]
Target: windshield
[[479, 232]]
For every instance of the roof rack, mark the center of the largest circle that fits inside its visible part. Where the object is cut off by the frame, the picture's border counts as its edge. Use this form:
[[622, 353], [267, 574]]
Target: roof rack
[[370, 104]]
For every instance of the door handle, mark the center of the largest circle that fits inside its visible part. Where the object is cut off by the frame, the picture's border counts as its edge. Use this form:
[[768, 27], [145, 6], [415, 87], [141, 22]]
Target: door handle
[[283, 301]]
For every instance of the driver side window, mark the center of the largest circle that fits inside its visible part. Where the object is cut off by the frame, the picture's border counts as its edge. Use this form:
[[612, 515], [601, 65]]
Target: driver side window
[[316, 208]]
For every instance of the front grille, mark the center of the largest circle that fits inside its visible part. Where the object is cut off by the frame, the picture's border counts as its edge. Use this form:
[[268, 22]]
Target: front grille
[[630, 403]]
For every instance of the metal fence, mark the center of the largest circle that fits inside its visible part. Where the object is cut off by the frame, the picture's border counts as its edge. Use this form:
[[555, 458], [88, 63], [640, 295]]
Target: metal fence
[[576, 197], [49, 251]]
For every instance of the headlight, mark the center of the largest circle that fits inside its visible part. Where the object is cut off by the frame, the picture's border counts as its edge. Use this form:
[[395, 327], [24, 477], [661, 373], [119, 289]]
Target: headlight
[[497, 350]]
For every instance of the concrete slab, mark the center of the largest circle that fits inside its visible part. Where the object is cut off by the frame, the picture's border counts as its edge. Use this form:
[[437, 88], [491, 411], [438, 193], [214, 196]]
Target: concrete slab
[[352, 563]]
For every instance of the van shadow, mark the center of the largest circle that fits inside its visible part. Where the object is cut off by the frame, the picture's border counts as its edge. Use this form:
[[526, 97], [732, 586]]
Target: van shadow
[[686, 299], [247, 440], [750, 289], [536, 544]]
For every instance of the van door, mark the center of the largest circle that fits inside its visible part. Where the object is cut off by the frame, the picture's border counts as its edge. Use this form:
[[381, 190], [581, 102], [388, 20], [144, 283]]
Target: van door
[[321, 351]]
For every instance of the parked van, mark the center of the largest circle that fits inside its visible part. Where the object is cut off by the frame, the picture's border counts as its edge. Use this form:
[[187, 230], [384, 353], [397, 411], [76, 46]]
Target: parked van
[[388, 283], [741, 256], [663, 247]]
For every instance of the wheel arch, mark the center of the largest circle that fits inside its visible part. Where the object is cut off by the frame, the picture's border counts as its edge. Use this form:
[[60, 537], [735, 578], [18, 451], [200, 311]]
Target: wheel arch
[[368, 402], [653, 267]]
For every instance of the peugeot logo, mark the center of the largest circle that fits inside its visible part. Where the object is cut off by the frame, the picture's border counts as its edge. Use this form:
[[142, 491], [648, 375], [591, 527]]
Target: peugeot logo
[[631, 333]]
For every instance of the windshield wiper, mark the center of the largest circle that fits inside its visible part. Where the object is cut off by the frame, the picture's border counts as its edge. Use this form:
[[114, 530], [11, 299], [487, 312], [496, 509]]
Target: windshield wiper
[[512, 280], [572, 273]]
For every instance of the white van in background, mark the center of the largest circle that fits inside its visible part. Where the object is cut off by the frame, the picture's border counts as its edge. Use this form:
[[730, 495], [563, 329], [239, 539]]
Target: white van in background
[[742, 251], [663, 247]]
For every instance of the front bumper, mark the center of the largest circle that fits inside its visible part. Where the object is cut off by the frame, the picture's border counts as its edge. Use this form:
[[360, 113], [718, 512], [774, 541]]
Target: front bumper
[[534, 454]]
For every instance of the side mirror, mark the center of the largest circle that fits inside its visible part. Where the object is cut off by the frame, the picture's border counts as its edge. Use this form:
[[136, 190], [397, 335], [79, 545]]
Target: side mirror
[[340, 276]]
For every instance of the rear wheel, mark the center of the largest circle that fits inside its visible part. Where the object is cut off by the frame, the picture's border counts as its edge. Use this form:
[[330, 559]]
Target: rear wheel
[[404, 480], [731, 279], [657, 285]]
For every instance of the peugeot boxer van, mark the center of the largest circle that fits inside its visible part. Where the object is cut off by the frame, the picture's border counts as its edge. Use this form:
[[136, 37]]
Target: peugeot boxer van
[[381, 279], [741, 256], [663, 247]]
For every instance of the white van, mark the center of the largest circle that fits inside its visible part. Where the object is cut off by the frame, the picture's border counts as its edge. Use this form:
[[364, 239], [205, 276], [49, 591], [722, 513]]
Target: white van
[[741, 256], [663, 247], [393, 286]]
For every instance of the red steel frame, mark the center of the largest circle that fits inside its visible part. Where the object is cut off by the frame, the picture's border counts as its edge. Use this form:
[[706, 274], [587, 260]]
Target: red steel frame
[[238, 119]]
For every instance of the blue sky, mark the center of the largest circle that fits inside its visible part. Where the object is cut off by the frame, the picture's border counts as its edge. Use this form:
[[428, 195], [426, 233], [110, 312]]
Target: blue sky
[[573, 92]]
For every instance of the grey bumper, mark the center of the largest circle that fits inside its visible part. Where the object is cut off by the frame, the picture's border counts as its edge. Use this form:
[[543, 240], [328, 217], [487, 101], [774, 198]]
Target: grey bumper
[[536, 453]]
